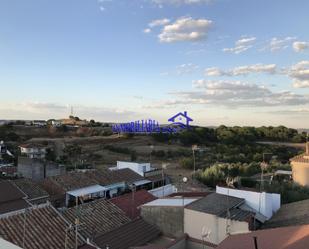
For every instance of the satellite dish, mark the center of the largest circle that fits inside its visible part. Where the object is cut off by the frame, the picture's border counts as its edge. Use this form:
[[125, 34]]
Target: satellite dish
[[185, 179]]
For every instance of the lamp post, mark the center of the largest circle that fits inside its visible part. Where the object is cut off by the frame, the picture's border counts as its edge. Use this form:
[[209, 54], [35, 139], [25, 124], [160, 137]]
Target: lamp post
[[184, 180]]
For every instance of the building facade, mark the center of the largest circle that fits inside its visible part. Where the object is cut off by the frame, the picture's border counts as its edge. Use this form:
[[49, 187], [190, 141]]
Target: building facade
[[300, 168]]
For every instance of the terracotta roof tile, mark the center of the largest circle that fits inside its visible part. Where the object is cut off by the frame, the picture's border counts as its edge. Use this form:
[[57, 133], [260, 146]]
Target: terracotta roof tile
[[45, 228], [135, 233], [296, 237], [291, 214], [130, 205], [97, 217], [11, 198]]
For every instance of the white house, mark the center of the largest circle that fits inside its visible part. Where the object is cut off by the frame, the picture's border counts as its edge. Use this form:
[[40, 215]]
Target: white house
[[33, 151], [139, 168], [264, 203]]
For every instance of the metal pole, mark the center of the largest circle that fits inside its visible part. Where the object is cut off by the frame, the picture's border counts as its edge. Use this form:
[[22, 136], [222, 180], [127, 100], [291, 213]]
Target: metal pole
[[163, 182], [193, 163], [76, 223]]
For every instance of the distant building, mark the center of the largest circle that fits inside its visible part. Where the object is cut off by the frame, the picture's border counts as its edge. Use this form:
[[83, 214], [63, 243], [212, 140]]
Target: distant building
[[33, 150], [300, 168], [156, 176], [38, 169], [74, 122], [56, 123], [39, 123], [139, 168]]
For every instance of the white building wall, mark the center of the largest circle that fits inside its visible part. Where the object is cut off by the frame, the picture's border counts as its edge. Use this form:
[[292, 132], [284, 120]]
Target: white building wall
[[265, 203], [197, 224], [163, 191], [139, 168]]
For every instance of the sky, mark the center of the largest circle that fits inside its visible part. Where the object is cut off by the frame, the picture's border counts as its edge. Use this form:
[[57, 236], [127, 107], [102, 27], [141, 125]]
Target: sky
[[231, 62]]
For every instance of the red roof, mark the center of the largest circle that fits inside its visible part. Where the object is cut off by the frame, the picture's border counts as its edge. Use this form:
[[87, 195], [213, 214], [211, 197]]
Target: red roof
[[131, 205], [295, 237]]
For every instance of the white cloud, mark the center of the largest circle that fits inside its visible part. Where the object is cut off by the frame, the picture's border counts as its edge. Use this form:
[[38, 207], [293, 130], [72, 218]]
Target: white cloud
[[300, 74], [147, 31], [180, 2], [242, 70], [241, 45], [277, 44], [185, 29], [186, 68], [299, 46], [233, 94], [159, 22], [39, 110]]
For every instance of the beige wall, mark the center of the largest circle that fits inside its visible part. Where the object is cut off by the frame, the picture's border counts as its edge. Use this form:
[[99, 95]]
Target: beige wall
[[300, 173], [194, 222]]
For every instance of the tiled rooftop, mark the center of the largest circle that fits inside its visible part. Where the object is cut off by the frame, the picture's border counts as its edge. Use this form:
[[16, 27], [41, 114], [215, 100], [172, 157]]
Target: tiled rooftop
[[134, 233], [97, 217], [11, 198], [130, 203], [296, 237], [45, 228], [76, 180], [30, 188], [296, 213], [219, 205]]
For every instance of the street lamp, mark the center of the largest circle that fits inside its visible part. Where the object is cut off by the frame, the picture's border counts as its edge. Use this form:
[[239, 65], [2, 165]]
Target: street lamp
[[184, 180]]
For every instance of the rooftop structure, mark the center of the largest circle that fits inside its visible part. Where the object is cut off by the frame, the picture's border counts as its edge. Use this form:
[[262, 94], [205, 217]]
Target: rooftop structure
[[296, 237], [264, 203], [170, 202]]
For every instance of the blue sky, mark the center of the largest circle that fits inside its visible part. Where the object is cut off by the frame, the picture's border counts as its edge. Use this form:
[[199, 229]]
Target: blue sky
[[233, 62]]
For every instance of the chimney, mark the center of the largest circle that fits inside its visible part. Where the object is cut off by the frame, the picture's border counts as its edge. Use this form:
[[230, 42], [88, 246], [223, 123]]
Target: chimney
[[185, 113], [307, 148]]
